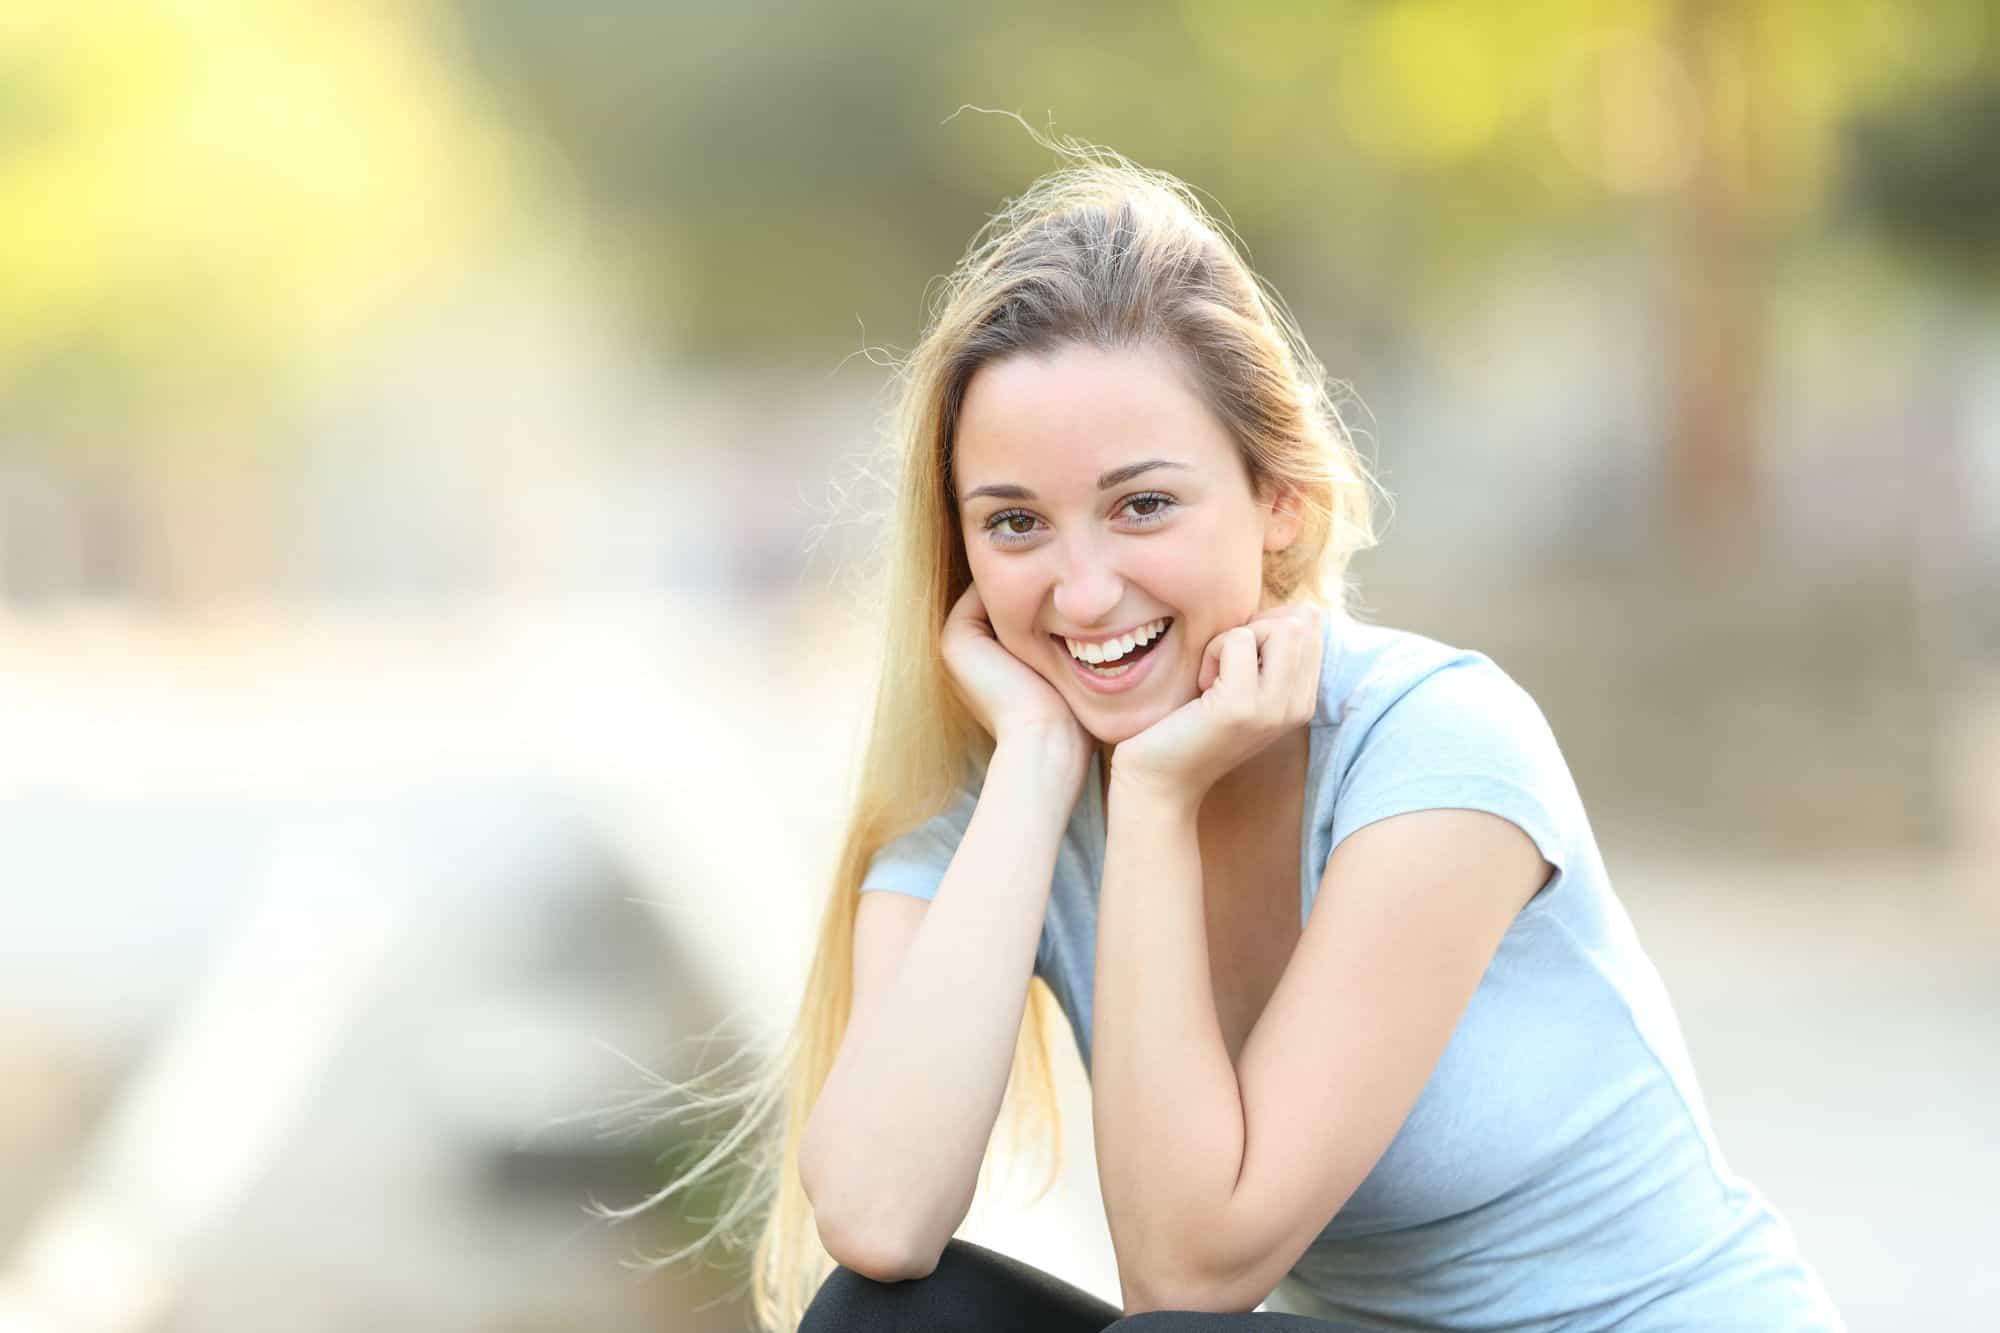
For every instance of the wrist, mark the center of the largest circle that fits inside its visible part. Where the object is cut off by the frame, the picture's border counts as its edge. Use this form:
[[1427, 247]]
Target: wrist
[[1042, 751], [1136, 793]]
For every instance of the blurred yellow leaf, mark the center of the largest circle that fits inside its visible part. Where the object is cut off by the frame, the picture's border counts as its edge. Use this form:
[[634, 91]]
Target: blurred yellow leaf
[[219, 193]]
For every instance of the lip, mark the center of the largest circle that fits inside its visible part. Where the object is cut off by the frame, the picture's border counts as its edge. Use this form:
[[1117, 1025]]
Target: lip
[[1131, 680], [1107, 638]]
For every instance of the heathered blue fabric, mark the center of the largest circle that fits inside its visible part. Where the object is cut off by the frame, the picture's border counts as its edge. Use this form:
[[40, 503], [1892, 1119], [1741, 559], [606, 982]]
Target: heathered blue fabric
[[1559, 1170]]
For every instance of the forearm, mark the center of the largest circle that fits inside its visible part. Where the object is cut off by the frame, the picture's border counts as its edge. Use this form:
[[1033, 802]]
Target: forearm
[[891, 1154], [1166, 1107]]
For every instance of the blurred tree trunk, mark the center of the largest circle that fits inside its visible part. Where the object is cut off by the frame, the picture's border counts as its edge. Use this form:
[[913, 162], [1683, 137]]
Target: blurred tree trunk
[[1715, 306]]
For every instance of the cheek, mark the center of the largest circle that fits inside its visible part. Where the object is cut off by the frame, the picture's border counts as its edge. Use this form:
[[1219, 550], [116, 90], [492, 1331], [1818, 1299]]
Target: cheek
[[1210, 591], [1010, 599], [1199, 580], [1232, 574]]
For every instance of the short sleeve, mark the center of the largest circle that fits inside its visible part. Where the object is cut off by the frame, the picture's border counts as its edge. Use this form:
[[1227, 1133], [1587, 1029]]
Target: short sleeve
[[915, 863], [1462, 737]]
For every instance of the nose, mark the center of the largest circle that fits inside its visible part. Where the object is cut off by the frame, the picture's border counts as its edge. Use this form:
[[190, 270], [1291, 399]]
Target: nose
[[1089, 590]]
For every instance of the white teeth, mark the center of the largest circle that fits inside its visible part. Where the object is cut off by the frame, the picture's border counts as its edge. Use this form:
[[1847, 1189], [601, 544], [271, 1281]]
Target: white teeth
[[1113, 649]]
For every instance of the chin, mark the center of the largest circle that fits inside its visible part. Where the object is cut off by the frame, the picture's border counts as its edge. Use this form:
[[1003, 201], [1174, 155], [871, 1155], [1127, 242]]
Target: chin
[[1111, 721], [1113, 727], [1118, 732]]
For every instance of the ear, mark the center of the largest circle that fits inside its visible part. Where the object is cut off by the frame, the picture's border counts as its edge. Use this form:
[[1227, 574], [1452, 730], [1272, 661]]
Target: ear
[[1284, 515]]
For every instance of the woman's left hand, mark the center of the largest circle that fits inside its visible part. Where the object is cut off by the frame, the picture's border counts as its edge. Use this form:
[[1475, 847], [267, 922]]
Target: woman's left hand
[[1257, 681]]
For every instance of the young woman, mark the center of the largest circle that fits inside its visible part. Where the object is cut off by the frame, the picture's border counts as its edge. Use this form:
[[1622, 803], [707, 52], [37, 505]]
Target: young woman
[[1368, 1034]]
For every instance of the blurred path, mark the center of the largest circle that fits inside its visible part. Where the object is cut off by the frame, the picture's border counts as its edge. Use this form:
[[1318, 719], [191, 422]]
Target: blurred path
[[1842, 1018], [1844, 1023]]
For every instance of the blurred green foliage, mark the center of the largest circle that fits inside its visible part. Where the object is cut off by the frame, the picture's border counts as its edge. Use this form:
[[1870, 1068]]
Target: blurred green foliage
[[204, 202], [1928, 170], [777, 171]]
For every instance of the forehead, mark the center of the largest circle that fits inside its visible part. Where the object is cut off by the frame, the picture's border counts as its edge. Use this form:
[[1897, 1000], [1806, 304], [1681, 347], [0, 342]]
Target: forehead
[[1052, 421]]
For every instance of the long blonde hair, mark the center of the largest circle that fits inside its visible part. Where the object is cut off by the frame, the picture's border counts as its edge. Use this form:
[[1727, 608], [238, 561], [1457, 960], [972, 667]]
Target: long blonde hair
[[1099, 252]]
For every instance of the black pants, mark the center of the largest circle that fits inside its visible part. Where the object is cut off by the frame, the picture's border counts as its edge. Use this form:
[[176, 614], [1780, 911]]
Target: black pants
[[975, 1290]]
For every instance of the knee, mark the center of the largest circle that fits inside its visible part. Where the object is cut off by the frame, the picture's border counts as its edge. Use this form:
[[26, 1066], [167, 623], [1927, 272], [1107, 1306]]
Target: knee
[[849, 1301], [967, 1280], [1188, 1321], [846, 1300], [1195, 1321]]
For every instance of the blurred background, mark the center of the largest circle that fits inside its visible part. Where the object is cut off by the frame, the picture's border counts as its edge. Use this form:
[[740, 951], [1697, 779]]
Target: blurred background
[[438, 468]]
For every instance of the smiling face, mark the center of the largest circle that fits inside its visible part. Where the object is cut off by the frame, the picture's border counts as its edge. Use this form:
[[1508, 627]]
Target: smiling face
[[1098, 496]]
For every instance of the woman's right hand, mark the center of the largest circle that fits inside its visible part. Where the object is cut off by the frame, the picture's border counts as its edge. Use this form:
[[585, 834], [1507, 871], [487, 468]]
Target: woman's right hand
[[1010, 699]]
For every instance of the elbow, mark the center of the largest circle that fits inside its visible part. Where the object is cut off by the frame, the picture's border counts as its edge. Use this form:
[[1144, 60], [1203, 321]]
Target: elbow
[[1186, 1285], [1144, 1298], [875, 1254], [872, 1228], [855, 1237]]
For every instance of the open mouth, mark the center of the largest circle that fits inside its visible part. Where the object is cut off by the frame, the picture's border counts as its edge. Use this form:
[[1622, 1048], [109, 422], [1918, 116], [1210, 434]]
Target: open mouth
[[1116, 657]]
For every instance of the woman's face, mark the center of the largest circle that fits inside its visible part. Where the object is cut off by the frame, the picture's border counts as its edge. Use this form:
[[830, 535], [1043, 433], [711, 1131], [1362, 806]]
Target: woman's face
[[1099, 497]]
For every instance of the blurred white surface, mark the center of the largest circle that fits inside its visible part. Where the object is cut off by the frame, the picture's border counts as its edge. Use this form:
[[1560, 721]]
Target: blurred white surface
[[693, 761]]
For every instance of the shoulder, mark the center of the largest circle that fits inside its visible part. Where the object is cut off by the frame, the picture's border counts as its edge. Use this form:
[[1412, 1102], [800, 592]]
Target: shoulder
[[1412, 723], [914, 859], [1371, 672]]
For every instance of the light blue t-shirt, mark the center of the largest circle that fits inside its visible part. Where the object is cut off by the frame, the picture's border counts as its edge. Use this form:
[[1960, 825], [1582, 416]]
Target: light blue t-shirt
[[1558, 1170]]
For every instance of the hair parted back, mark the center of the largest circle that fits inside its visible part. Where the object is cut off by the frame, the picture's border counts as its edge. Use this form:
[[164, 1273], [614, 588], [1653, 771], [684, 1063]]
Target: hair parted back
[[1099, 252]]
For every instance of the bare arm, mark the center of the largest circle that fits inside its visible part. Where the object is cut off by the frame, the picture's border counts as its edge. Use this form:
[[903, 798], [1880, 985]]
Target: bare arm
[[891, 1153], [1167, 1109], [1211, 1205]]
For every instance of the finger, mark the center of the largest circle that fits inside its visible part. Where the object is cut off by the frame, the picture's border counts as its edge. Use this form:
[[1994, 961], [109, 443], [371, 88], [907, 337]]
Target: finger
[[968, 606], [1277, 682], [1237, 677], [1211, 664], [1307, 615], [1211, 657], [1299, 611], [968, 613], [1265, 633], [1290, 688]]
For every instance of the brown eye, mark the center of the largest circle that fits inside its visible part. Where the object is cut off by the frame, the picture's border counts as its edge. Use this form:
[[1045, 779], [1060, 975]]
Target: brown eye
[[1150, 503], [1011, 526]]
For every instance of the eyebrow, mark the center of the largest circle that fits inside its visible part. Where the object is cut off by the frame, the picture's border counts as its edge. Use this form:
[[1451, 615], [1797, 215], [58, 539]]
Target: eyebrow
[[1117, 476]]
